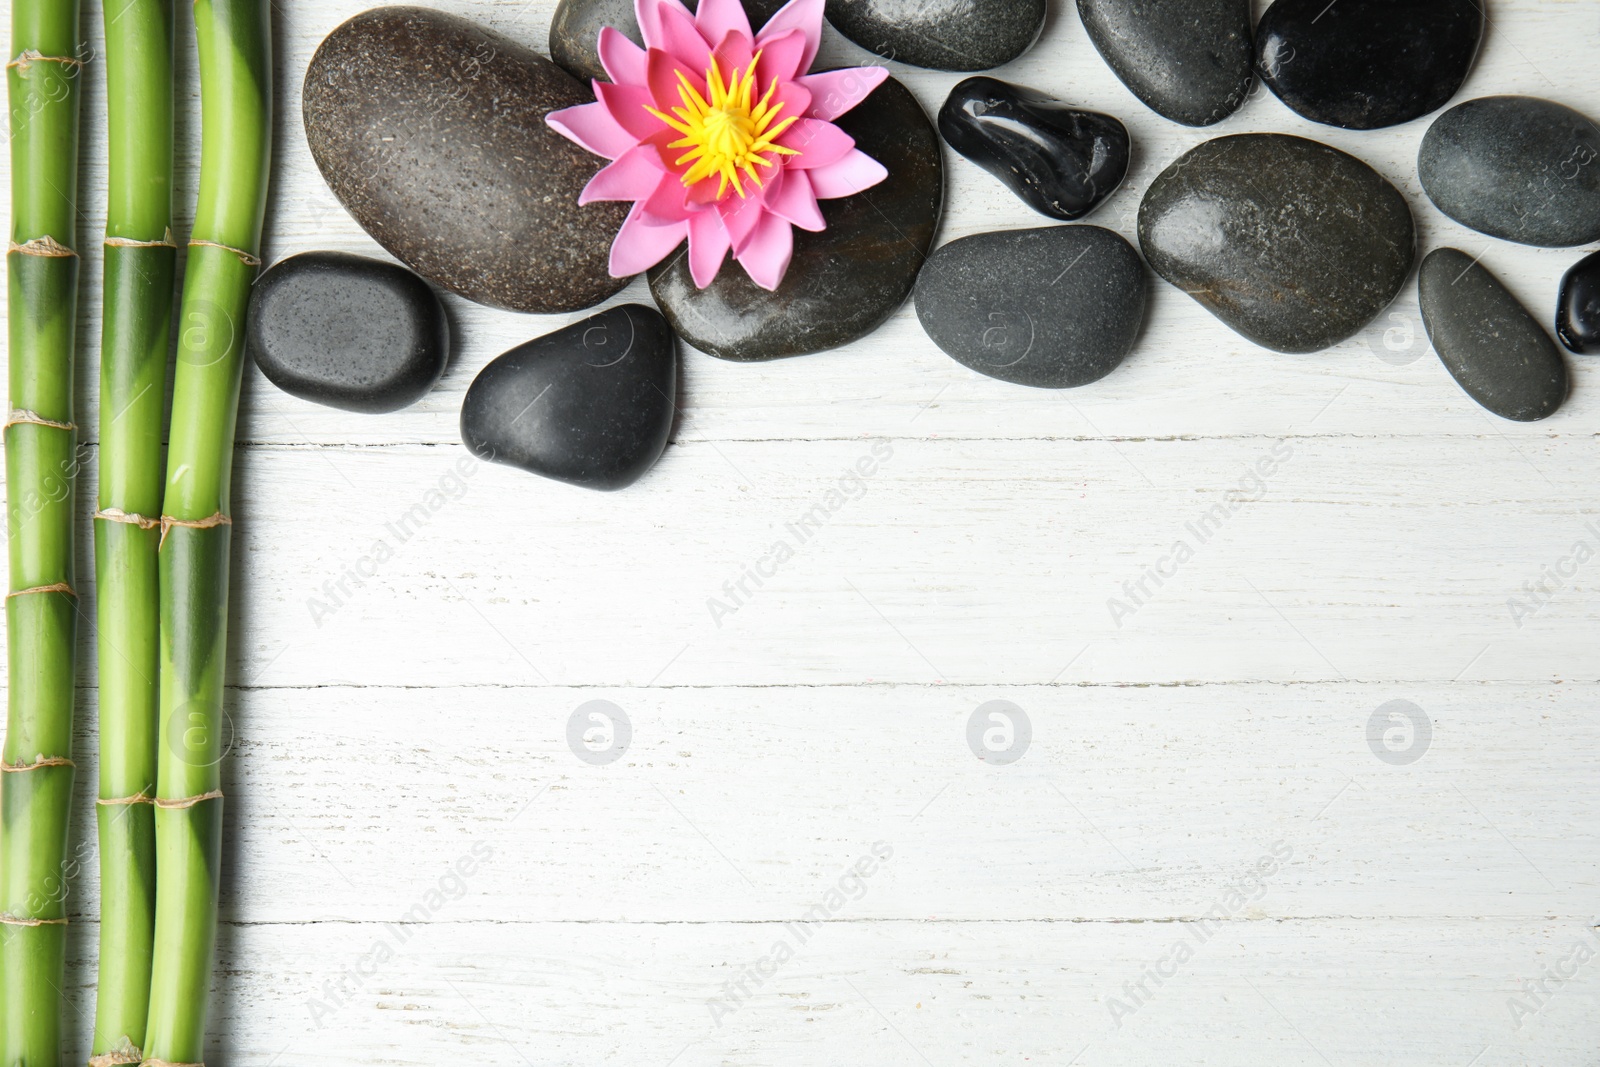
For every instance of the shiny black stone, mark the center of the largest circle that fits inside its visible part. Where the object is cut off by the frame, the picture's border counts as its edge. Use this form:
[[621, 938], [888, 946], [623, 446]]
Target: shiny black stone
[[1054, 308], [1292, 243], [591, 404], [1060, 160], [1578, 313], [1188, 60], [575, 29], [1516, 167], [1496, 351], [1366, 64], [942, 34], [346, 331], [843, 282]]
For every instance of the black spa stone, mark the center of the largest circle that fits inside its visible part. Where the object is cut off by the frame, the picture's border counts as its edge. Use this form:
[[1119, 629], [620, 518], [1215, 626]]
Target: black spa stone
[[1188, 60], [1578, 311], [1061, 160], [942, 34], [591, 404], [575, 29], [1367, 64], [348, 332], [1496, 351], [1516, 167], [1055, 307]]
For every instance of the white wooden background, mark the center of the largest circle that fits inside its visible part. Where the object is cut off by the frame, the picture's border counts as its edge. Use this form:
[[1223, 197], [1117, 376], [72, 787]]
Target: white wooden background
[[424, 717]]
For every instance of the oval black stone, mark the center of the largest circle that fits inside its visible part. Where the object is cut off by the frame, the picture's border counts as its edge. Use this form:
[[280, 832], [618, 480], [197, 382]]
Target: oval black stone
[[843, 282], [1188, 60], [1496, 351], [1578, 310], [430, 130], [590, 405], [1516, 167], [1367, 64], [1292, 243], [942, 34], [1062, 161], [346, 331], [1055, 307], [575, 29]]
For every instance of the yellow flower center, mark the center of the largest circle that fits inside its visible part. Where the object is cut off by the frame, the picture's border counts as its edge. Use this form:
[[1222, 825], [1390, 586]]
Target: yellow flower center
[[732, 133]]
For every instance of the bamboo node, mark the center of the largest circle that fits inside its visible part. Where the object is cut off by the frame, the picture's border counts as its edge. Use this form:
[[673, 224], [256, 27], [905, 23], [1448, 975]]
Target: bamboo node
[[39, 761], [59, 587], [46, 246], [24, 417], [185, 802], [28, 58], [8, 919], [141, 797], [152, 1062], [210, 522], [129, 242], [248, 259], [132, 519], [127, 1055]]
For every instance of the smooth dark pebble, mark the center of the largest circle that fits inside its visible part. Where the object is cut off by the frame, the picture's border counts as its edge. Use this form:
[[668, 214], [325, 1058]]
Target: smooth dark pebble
[[1292, 243], [1054, 308], [591, 404], [1367, 64], [942, 34], [575, 30], [1578, 310], [1061, 160], [1188, 60]]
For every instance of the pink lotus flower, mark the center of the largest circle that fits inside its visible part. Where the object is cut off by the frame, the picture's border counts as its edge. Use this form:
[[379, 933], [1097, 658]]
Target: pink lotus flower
[[719, 136]]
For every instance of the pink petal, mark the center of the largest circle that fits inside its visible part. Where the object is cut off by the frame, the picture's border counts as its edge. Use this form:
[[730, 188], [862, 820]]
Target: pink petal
[[835, 92], [639, 247], [626, 105], [853, 173], [623, 60], [680, 37], [662, 70], [791, 198], [648, 12], [709, 245], [819, 143], [794, 97], [593, 127], [718, 18], [804, 15], [766, 255], [734, 54], [634, 176], [781, 57], [667, 204], [740, 216]]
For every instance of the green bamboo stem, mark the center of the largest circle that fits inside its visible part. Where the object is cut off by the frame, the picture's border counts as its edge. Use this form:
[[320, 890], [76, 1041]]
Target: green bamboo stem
[[41, 463], [235, 102], [140, 263]]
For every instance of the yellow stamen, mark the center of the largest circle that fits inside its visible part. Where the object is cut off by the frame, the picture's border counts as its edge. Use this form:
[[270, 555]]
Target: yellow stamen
[[729, 131]]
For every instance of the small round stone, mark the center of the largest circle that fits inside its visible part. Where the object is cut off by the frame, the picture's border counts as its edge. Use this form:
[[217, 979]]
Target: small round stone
[[1367, 64], [1054, 308], [1188, 60], [1062, 161], [590, 405], [1516, 167], [942, 34], [348, 332], [1578, 311], [1494, 349]]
